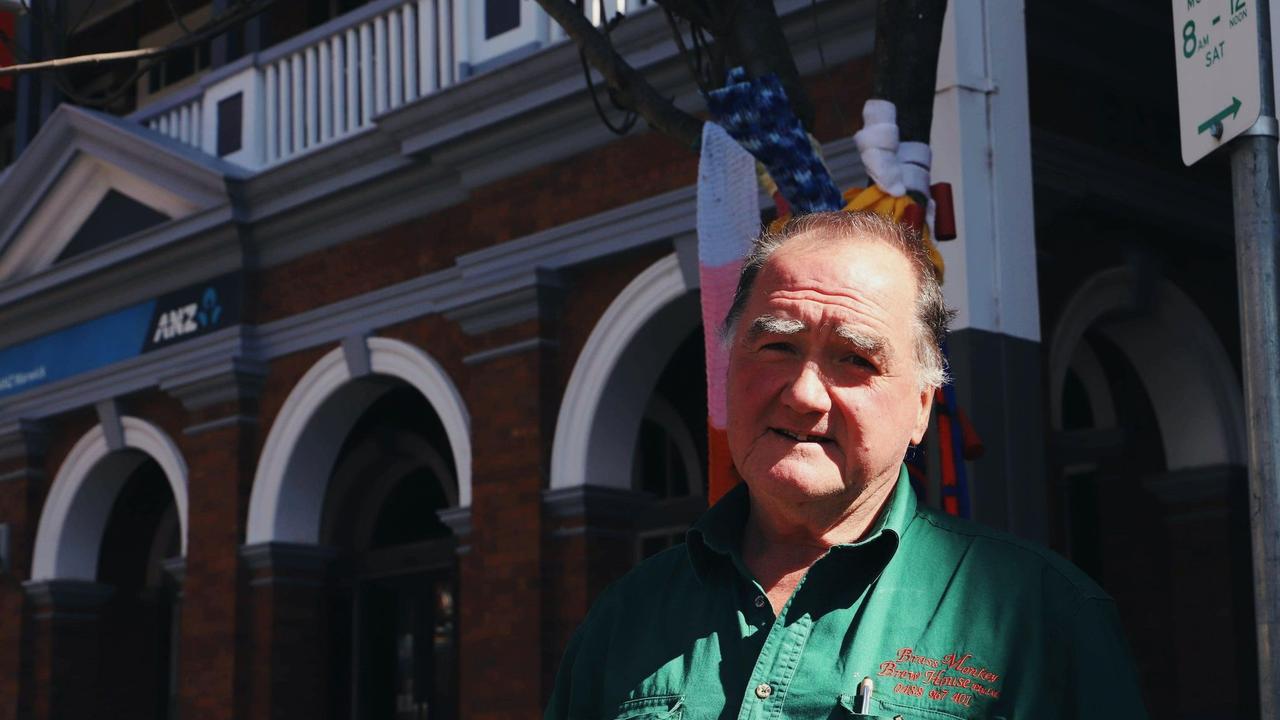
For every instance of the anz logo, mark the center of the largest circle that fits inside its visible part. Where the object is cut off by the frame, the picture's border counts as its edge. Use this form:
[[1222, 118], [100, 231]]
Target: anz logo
[[187, 319]]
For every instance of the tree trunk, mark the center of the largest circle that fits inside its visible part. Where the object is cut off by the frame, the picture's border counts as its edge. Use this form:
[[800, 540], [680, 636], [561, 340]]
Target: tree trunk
[[908, 34], [754, 40]]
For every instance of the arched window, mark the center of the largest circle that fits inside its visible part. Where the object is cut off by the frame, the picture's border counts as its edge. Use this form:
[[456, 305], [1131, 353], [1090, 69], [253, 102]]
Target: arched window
[[670, 458]]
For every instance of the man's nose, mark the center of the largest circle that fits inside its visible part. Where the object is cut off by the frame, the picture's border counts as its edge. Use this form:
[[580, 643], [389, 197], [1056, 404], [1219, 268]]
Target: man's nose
[[807, 392]]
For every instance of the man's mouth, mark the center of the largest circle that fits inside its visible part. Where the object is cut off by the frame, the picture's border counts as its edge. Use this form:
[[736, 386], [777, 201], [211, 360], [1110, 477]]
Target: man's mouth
[[801, 437]]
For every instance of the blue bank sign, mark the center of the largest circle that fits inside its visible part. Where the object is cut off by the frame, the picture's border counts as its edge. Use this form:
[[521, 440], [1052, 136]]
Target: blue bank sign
[[157, 323]]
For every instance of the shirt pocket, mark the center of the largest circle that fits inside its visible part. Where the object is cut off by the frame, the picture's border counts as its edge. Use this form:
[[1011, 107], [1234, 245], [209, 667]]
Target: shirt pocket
[[844, 711], [659, 707]]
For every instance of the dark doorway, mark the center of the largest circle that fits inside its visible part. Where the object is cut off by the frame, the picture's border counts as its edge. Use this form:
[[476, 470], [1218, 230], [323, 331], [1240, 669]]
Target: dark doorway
[[395, 602], [139, 649], [670, 457]]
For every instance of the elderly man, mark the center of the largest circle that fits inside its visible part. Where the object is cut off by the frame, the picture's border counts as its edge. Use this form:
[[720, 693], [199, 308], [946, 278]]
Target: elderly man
[[821, 570]]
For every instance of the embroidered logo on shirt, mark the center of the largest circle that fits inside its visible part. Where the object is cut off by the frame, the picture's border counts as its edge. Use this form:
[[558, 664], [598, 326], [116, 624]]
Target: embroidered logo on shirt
[[956, 678]]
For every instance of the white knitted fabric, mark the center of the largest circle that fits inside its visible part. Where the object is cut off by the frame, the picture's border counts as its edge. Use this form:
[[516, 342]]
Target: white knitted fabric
[[897, 167], [915, 159], [728, 218], [728, 198], [877, 143]]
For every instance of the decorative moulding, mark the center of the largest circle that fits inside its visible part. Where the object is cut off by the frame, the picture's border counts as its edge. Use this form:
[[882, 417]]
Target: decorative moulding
[[288, 558], [228, 380], [59, 596], [20, 438], [595, 503], [459, 521]]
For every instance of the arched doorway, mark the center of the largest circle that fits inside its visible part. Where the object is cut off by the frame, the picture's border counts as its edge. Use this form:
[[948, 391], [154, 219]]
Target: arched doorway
[[1148, 444], [140, 621], [113, 526], [395, 621], [633, 419], [368, 456], [669, 462]]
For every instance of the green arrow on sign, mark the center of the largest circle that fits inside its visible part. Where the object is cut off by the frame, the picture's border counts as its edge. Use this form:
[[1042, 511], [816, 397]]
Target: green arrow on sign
[[1231, 110]]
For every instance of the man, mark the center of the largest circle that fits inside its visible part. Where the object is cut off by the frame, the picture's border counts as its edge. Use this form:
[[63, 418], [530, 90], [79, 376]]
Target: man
[[821, 569]]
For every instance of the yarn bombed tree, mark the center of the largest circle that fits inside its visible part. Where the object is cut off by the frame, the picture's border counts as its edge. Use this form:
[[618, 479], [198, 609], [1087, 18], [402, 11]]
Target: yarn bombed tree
[[762, 118]]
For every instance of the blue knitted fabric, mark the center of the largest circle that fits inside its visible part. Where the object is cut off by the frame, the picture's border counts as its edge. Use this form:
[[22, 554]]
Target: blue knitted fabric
[[758, 115]]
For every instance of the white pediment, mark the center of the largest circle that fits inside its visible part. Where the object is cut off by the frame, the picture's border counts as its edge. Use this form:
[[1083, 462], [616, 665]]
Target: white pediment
[[76, 160]]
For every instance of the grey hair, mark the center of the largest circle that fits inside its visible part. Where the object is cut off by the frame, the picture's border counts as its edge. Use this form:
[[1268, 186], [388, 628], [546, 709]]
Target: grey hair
[[931, 313]]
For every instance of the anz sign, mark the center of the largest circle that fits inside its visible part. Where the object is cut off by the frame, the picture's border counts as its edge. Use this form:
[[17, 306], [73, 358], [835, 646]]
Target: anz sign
[[188, 319], [194, 311], [121, 334]]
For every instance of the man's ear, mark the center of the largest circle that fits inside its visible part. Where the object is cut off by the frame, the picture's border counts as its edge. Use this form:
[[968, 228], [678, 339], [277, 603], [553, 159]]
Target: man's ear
[[922, 419]]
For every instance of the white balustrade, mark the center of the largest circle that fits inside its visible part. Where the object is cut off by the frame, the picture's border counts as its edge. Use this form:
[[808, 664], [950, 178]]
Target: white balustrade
[[181, 122], [332, 81]]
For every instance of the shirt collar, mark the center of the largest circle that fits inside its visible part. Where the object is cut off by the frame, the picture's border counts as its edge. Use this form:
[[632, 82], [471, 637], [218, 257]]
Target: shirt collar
[[718, 533]]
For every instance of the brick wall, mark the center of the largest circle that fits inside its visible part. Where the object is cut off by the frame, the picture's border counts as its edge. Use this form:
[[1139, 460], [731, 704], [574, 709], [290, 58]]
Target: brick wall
[[245, 649]]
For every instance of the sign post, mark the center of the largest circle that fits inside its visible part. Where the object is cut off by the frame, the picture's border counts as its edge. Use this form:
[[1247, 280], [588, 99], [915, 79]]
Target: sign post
[[1226, 90], [1216, 51]]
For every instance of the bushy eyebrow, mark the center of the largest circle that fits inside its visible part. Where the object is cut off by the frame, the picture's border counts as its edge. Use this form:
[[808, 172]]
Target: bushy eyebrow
[[868, 344], [770, 325]]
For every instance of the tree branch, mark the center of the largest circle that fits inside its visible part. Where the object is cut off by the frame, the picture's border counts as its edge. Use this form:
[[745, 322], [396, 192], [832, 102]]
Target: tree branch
[[93, 59], [219, 24], [690, 10], [755, 40], [630, 87]]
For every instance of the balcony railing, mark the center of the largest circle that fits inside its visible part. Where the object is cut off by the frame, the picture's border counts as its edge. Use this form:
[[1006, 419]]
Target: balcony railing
[[331, 82]]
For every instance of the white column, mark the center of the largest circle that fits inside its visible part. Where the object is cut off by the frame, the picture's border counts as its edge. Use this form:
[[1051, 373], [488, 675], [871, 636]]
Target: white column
[[299, 104], [379, 65], [196, 137], [338, 76], [353, 82], [444, 40], [325, 82], [428, 46], [310, 107], [286, 108], [410, 27], [271, 98], [395, 60], [982, 145], [461, 40], [366, 73]]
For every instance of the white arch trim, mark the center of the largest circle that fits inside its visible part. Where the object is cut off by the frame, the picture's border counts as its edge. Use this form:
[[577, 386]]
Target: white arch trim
[[1183, 365], [580, 412], [76, 511], [287, 501], [402, 360]]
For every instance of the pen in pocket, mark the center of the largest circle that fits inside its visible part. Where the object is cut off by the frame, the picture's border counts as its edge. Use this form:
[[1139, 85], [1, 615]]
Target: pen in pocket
[[862, 701]]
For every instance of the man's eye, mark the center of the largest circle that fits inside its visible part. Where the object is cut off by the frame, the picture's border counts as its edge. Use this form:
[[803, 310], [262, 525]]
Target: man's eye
[[778, 347], [858, 360]]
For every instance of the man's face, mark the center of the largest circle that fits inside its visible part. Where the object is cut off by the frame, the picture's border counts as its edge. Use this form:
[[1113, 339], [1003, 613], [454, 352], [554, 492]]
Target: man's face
[[823, 393]]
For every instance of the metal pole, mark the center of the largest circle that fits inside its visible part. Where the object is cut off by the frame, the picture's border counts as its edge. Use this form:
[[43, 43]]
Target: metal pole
[[1256, 200]]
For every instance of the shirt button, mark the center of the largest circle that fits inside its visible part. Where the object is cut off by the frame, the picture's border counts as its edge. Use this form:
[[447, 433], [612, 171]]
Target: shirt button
[[760, 601], [764, 690]]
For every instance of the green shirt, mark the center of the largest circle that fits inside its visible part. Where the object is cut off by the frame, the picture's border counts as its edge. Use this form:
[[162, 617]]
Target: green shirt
[[948, 618]]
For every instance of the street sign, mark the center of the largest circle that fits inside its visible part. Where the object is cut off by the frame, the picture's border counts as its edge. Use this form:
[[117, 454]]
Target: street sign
[[1216, 50]]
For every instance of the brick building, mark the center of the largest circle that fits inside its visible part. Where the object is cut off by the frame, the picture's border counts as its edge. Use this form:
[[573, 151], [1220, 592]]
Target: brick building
[[346, 359]]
